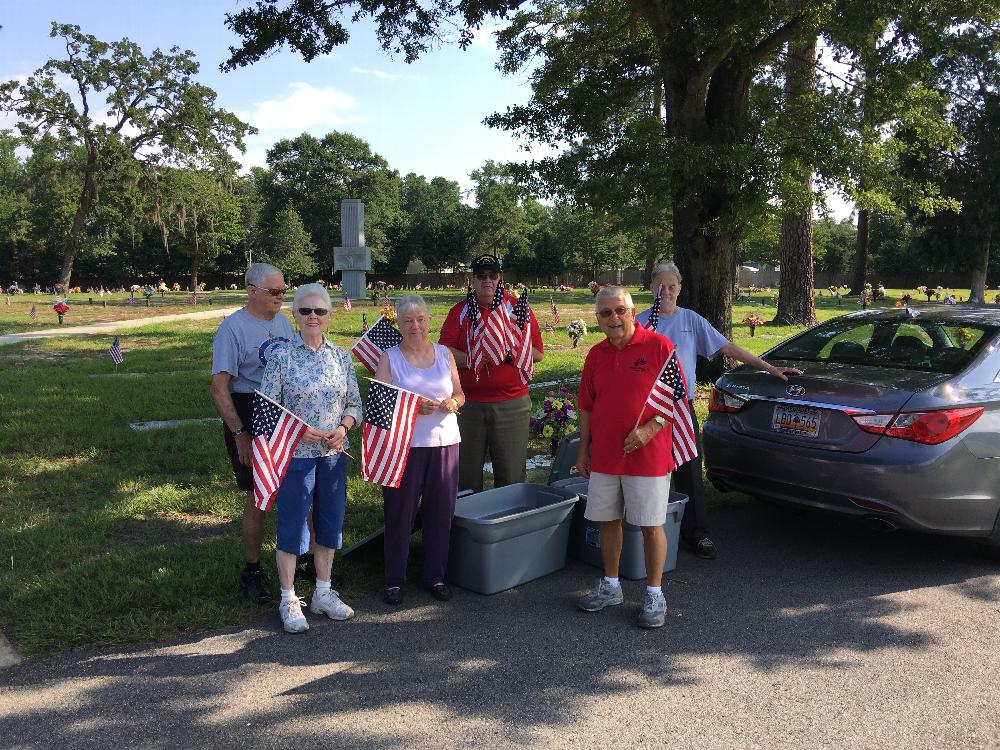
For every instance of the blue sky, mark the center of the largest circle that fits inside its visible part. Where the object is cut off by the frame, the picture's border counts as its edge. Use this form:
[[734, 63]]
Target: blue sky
[[425, 117]]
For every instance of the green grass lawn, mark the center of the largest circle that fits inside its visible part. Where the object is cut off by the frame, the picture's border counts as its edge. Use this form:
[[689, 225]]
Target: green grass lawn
[[111, 536]]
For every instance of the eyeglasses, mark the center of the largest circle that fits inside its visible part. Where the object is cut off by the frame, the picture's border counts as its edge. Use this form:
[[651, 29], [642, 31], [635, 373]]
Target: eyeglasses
[[619, 311], [306, 311], [491, 275], [272, 292]]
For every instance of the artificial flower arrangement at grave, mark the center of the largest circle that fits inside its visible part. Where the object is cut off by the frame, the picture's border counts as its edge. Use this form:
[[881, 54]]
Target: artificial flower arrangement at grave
[[576, 329], [388, 311], [753, 320], [556, 419], [61, 308]]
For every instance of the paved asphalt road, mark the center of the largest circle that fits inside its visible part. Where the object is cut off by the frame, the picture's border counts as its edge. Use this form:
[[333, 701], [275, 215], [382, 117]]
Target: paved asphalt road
[[805, 633]]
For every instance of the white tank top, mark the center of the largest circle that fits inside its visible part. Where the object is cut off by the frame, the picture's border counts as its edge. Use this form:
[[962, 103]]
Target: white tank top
[[439, 428]]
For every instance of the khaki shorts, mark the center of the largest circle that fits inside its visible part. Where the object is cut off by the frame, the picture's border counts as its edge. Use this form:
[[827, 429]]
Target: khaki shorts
[[642, 501]]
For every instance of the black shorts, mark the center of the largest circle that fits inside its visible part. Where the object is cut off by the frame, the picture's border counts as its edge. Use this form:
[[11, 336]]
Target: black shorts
[[244, 408]]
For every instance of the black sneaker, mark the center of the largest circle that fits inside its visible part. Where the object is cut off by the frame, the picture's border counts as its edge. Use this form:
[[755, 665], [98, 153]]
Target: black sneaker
[[440, 591], [305, 568], [254, 586], [705, 549], [393, 595]]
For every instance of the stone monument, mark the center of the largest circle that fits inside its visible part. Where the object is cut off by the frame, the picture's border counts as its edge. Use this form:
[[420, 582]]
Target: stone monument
[[352, 259]]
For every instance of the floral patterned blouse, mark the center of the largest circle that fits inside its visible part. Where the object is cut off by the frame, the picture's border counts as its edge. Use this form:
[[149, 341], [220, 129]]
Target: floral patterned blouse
[[320, 387]]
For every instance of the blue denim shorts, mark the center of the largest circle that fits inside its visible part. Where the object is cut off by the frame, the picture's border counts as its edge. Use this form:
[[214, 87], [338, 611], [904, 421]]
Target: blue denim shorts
[[318, 483]]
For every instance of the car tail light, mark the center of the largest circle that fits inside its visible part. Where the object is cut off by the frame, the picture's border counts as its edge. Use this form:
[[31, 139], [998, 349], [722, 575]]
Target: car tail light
[[929, 427], [724, 403]]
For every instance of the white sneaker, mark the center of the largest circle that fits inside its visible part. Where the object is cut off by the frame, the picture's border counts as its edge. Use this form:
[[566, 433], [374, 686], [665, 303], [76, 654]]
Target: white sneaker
[[291, 615], [329, 603]]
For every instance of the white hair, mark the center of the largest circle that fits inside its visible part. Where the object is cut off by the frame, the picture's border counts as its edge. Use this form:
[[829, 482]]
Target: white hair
[[411, 302], [613, 292], [311, 290], [662, 268], [258, 272]]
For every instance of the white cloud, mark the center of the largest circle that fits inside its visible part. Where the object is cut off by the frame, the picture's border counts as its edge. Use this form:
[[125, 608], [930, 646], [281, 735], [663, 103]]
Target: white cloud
[[384, 76], [305, 107], [484, 36]]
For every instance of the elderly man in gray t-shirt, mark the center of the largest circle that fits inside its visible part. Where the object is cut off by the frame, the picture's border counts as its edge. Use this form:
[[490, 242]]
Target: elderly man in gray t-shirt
[[239, 354]]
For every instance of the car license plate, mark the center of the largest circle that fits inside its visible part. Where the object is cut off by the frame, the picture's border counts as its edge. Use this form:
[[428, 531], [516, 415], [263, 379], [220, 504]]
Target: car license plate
[[796, 421]]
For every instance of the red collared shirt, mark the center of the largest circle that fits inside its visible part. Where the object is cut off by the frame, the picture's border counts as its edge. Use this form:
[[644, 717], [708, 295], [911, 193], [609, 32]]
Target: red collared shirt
[[613, 388]]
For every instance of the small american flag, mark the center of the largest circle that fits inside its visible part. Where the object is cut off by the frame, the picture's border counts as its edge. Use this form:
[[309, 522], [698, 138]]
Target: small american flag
[[654, 313], [347, 303], [374, 341], [193, 298], [389, 417], [276, 432], [669, 398], [522, 356], [364, 322], [114, 351], [555, 311], [473, 344], [33, 314]]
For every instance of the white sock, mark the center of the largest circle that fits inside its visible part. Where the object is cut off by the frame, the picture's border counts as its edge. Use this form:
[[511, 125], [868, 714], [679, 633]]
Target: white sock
[[322, 586], [654, 589], [287, 594], [612, 581]]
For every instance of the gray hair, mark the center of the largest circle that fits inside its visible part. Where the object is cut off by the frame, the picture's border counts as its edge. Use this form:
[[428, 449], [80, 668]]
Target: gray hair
[[260, 271], [310, 290], [662, 268], [613, 292], [411, 302]]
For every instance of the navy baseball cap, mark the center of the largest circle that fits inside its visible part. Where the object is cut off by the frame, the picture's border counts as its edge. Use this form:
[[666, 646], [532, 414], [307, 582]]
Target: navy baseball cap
[[486, 262]]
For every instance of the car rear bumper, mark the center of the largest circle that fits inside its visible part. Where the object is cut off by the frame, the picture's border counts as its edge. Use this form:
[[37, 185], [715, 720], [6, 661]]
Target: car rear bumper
[[942, 489]]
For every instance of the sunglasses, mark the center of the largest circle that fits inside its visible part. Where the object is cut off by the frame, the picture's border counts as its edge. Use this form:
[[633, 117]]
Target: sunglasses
[[491, 275], [272, 292], [306, 311], [619, 311]]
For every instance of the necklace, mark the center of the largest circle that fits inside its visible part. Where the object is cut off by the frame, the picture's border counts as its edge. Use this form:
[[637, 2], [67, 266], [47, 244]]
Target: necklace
[[265, 324]]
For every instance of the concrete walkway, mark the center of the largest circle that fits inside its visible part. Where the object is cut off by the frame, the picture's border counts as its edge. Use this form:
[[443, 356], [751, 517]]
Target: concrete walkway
[[805, 633], [92, 329]]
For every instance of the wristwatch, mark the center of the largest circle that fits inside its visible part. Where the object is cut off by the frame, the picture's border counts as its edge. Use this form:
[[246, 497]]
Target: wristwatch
[[237, 433], [660, 420]]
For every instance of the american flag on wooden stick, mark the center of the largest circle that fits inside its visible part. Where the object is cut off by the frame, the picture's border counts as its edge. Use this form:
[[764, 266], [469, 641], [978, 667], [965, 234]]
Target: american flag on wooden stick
[[389, 416], [668, 397], [33, 314], [114, 351], [276, 432], [522, 354], [555, 311], [381, 336], [654, 313], [193, 298], [347, 303]]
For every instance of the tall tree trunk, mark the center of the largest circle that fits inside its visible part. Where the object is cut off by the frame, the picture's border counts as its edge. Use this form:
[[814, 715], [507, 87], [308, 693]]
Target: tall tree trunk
[[796, 305], [978, 282], [195, 254], [860, 271], [88, 194]]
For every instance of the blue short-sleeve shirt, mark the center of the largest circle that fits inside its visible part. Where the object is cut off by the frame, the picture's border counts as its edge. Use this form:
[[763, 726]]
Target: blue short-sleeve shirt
[[692, 335]]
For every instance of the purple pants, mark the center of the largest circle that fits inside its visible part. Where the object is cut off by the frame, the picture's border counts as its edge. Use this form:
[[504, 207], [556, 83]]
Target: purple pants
[[431, 474]]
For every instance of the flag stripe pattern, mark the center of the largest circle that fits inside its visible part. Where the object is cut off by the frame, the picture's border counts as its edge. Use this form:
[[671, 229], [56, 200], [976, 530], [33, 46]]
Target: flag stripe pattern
[[654, 313], [473, 343], [381, 336], [669, 398], [522, 356], [276, 432], [389, 418], [114, 351], [495, 338]]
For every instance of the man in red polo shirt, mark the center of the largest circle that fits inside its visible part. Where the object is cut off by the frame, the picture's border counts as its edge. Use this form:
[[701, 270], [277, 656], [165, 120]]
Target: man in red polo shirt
[[497, 407], [628, 464]]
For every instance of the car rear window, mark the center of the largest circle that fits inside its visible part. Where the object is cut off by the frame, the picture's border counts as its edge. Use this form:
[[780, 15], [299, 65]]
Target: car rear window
[[910, 344]]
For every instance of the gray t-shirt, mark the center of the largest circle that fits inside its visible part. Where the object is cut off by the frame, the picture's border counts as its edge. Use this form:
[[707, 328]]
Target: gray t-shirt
[[691, 334], [241, 346]]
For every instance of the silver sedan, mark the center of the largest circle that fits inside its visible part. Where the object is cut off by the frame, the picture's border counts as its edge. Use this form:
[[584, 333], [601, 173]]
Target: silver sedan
[[895, 420]]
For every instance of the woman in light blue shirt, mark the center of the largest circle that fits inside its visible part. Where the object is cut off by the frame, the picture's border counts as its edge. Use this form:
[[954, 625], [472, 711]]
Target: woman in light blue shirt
[[315, 380], [694, 336]]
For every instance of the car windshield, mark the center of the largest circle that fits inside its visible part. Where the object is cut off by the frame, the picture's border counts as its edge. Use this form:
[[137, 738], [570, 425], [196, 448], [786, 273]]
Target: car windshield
[[908, 344]]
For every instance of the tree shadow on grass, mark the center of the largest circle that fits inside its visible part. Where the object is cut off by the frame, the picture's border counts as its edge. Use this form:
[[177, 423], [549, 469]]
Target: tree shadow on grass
[[788, 593]]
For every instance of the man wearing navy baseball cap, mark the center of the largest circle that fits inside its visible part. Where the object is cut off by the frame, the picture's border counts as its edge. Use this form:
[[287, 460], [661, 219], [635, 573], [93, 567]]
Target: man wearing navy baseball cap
[[497, 409]]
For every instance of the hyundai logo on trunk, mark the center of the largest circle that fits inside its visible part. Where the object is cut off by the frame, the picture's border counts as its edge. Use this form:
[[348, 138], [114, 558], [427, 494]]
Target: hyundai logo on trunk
[[795, 390]]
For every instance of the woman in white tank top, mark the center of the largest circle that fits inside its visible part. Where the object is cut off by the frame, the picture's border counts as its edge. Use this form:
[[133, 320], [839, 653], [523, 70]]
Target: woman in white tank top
[[430, 480]]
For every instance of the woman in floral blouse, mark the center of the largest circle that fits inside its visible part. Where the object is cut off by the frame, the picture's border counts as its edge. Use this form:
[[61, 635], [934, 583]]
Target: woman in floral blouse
[[314, 380]]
